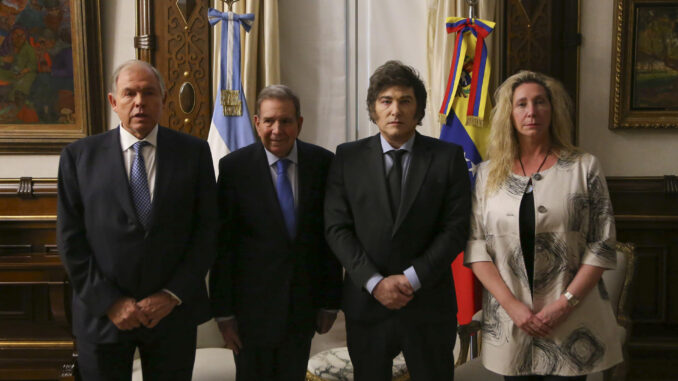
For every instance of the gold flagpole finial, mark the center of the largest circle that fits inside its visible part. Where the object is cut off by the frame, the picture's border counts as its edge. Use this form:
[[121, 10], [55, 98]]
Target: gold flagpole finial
[[230, 4]]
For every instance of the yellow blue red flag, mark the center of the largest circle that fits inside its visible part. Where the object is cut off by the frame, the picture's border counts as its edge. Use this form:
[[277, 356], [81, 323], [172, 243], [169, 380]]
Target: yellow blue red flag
[[464, 115], [466, 104]]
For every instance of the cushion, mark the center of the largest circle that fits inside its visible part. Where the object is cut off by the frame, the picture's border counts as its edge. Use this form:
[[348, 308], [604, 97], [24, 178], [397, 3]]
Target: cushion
[[335, 365]]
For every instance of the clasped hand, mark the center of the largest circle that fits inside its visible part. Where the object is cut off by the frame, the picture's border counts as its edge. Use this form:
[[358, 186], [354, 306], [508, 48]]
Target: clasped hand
[[394, 292], [126, 313], [539, 324]]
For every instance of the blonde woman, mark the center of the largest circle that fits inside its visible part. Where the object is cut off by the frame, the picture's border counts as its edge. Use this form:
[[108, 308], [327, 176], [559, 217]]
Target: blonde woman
[[542, 233]]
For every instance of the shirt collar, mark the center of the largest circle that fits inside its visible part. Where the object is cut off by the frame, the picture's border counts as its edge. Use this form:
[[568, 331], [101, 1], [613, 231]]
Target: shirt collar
[[407, 146], [127, 140], [292, 156]]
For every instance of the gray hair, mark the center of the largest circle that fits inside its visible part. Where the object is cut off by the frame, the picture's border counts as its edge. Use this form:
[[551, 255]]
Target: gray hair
[[279, 92], [144, 64]]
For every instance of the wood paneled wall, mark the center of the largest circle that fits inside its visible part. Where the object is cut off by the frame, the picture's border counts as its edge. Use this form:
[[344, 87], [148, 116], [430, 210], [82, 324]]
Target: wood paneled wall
[[646, 211], [35, 336]]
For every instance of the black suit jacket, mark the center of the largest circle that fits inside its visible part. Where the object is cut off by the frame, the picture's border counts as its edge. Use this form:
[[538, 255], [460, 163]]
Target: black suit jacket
[[430, 229], [107, 252], [272, 283]]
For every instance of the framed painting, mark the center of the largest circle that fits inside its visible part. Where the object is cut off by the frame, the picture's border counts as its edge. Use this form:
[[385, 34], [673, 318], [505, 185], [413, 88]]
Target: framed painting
[[645, 65], [51, 90]]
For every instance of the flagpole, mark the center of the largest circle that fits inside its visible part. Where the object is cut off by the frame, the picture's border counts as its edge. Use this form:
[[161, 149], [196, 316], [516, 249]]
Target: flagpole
[[471, 8], [230, 4]]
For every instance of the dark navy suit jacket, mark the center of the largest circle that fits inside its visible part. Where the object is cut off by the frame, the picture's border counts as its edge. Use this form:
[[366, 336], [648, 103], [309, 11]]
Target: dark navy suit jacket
[[428, 232], [106, 251], [271, 283]]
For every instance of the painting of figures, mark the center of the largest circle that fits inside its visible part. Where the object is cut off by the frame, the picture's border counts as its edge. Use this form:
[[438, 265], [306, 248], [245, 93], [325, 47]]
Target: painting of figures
[[36, 62]]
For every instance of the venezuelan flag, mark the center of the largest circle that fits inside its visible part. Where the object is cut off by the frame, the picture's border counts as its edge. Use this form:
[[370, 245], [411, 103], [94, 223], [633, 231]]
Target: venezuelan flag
[[465, 118]]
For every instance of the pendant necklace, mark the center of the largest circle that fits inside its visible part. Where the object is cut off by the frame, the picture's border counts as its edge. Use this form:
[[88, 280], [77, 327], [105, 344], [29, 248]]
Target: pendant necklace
[[536, 175]]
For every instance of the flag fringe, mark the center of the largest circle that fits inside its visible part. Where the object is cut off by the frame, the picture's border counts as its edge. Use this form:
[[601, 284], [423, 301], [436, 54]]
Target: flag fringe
[[474, 121]]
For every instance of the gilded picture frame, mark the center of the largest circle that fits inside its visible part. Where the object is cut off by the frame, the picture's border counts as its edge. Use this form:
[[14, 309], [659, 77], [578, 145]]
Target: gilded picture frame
[[645, 65], [51, 81]]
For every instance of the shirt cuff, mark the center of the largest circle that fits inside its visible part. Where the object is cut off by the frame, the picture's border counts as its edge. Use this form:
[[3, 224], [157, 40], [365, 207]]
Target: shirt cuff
[[173, 296], [224, 318], [372, 282], [412, 277]]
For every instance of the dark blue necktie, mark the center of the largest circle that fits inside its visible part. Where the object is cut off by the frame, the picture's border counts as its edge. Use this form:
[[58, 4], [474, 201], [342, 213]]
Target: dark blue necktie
[[138, 182], [286, 197]]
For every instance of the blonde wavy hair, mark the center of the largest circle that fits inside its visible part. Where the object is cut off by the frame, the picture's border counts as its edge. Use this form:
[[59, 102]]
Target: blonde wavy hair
[[504, 148]]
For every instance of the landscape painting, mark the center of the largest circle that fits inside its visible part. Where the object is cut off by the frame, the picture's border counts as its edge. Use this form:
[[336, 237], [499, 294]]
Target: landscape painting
[[655, 58]]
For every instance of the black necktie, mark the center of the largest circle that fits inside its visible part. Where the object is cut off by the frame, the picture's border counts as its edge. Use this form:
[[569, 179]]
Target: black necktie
[[395, 179]]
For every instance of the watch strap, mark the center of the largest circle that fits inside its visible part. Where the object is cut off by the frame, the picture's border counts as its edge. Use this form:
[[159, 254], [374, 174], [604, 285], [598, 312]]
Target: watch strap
[[572, 300]]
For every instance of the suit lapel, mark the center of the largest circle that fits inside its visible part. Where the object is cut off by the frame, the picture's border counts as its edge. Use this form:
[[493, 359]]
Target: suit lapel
[[163, 171], [419, 164], [304, 177], [118, 175], [376, 174]]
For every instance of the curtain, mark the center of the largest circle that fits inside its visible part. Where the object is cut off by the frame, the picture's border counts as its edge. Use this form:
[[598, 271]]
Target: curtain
[[493, 10], [438, 58]]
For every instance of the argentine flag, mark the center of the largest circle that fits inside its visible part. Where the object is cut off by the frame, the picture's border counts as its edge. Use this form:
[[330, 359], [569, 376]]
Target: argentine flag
[[231, 127]]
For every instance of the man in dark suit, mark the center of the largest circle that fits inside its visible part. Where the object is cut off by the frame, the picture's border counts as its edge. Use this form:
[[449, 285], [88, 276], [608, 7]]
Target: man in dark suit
[[136, 231], [275, 280], [396, 215]]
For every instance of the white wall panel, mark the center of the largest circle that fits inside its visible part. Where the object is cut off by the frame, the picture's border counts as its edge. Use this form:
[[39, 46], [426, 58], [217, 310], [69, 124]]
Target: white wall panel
[[313, 64], [387, 30]]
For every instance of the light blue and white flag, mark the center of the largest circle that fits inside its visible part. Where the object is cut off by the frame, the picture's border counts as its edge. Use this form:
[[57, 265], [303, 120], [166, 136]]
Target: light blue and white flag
[[231, 127]]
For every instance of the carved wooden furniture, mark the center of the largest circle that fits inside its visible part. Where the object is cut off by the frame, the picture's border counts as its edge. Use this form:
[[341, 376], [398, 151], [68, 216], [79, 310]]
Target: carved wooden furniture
[[35, 336], [646, 211], [543, 36], [174, 36]]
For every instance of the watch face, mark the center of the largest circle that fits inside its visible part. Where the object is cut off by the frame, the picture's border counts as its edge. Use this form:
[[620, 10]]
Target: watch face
[[571, 299]]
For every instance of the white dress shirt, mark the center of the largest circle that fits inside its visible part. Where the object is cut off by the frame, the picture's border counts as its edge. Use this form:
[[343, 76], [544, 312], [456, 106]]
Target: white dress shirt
[[292, 170]]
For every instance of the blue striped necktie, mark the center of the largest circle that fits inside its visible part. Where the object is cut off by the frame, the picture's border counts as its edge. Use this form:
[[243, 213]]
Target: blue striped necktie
[[286, 197], [138, 182]]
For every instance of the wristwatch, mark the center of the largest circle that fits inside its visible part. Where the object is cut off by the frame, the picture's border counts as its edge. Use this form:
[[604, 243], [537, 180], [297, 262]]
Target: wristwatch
[[572, 300]]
